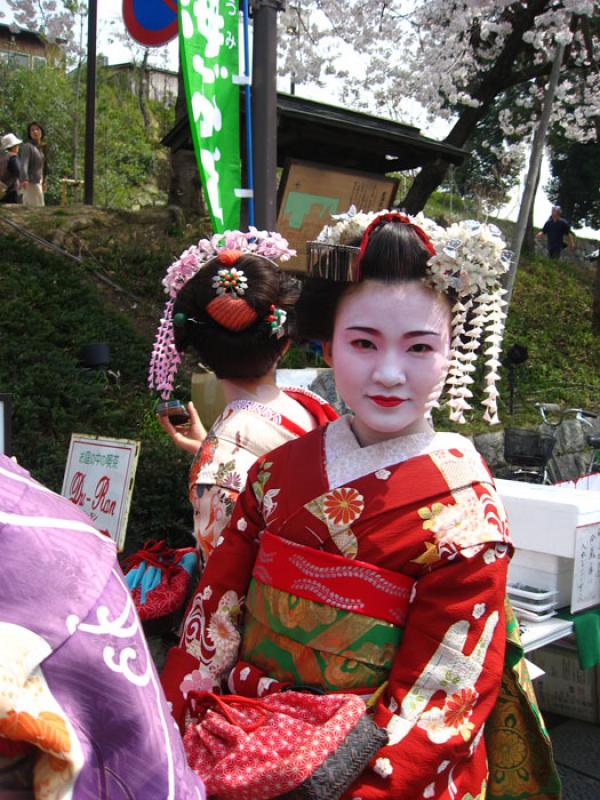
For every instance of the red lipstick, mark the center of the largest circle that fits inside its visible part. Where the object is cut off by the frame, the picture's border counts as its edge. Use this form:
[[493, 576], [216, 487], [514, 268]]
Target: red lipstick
[[386, 402]]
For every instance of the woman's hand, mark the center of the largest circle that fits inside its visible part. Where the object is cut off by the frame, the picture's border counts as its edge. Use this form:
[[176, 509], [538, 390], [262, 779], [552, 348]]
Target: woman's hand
[[188, 436]]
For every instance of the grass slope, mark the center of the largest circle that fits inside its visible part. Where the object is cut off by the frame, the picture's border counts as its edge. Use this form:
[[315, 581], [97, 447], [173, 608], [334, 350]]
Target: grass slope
[[551, 314]]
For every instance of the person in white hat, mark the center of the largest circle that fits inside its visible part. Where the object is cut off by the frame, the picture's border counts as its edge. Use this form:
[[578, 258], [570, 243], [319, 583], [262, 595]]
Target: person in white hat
[[10, 168]]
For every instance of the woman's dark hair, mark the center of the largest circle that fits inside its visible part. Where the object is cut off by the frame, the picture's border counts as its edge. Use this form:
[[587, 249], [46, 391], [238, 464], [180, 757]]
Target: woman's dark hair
[[394, 254], [246, 354], [39, 126]]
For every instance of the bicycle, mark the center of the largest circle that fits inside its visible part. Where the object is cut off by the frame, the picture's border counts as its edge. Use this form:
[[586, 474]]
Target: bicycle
[[528, 452], [593, 440]]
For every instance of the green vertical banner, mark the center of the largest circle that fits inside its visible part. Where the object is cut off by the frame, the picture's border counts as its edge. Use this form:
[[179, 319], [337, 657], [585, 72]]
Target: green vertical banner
[[208, 49]]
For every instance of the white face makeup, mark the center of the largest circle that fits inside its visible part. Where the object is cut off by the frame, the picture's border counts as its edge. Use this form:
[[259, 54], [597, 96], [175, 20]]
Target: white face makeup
[[389, 355]]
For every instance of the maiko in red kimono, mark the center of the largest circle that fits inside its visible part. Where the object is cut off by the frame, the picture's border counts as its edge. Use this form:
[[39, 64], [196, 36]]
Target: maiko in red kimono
[[379, 570]]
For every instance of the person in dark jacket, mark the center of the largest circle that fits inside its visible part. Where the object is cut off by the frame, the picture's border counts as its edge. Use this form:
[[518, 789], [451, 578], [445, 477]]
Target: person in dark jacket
[[556, 229], [33, 166], [10, 167]]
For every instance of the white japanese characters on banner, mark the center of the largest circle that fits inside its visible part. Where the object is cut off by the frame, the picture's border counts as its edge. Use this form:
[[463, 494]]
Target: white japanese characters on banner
[[99, 479], [208, 45]]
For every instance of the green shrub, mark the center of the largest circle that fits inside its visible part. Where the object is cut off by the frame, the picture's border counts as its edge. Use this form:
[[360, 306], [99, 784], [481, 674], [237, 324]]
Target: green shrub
[[51, 308], [126, 153]]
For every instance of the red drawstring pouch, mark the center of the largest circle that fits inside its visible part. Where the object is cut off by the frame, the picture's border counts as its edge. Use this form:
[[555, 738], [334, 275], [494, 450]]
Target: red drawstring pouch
[[159, 578], [291, 745]]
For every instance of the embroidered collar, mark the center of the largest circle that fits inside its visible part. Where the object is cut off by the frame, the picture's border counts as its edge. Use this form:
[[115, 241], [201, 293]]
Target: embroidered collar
[[346, 460], [256, 408]]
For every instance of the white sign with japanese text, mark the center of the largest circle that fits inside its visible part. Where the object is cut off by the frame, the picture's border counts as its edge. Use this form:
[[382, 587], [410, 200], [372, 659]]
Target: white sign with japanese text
[[99, 479], [586, 573]]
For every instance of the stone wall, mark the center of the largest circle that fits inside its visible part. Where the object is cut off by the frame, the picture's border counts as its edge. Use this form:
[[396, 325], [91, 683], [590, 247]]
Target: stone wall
[[570, 457]]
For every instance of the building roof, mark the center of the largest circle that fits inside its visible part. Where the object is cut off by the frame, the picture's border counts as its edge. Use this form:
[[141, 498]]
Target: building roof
[[15, 30], [129, 65], [322, 133]]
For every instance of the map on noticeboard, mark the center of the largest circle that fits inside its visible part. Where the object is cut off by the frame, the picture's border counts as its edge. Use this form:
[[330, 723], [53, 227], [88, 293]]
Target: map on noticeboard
[[99, 479], [310, 193]]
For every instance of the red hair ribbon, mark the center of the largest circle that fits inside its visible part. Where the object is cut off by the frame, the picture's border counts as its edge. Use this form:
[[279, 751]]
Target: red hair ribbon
[[229, 257], [233, 313], [393, 216]]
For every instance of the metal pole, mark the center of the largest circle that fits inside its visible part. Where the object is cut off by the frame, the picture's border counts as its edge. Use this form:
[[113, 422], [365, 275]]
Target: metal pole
[[264, 107], [90, 104]]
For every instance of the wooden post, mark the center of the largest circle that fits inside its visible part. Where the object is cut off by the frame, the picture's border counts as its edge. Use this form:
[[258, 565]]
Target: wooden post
[[537, 150]]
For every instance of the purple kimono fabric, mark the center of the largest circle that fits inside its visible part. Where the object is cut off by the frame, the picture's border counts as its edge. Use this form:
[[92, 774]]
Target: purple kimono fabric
[[76, 677]]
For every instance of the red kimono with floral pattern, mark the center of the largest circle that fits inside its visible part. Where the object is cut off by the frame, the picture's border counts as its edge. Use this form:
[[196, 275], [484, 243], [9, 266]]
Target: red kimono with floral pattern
[[422, 507], [243, 431]]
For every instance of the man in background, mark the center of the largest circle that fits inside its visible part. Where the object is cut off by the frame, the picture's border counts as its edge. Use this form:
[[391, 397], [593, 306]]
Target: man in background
[[556, 229]]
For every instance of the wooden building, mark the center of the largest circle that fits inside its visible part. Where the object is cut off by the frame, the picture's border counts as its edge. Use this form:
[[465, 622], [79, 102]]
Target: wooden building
[[20, 47], [335, 137]]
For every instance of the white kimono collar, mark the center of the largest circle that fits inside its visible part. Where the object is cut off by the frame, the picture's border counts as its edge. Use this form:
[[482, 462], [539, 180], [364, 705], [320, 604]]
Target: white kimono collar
[[346, 460]]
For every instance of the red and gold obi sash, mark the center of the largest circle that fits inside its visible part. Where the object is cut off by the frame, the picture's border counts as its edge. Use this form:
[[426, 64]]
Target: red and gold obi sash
[[321, 619]]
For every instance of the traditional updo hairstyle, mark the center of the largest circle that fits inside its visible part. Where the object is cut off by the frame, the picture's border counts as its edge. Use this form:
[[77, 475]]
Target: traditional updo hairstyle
[[394, 252], [246, 353]]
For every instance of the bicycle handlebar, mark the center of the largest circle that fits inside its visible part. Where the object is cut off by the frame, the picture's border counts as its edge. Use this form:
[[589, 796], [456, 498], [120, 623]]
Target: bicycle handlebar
[[579, 414]]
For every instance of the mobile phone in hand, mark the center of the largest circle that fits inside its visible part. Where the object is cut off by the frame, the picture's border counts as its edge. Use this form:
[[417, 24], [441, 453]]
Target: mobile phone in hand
[[175, 411]]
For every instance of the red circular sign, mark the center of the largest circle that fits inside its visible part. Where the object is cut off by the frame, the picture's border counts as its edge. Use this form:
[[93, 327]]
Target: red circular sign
[[151, 23]]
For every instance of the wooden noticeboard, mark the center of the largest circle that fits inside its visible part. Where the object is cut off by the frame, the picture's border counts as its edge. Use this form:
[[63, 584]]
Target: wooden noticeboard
[[99, 479], [310, 193]]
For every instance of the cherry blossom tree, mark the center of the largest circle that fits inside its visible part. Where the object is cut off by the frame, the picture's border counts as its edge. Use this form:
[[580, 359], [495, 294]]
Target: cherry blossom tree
[[460, 59], [54, 20], [457, 58]]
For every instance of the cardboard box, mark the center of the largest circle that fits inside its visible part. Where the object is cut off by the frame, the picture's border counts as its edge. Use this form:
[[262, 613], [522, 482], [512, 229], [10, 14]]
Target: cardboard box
[[565, 688], [556, 533]]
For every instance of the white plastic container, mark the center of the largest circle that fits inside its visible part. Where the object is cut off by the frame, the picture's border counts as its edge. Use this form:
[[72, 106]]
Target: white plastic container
[[535, 596], [556, 533], [543, 571]]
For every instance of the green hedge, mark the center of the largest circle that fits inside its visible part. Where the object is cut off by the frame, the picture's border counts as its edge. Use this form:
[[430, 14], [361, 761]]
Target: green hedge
[[50, 307]]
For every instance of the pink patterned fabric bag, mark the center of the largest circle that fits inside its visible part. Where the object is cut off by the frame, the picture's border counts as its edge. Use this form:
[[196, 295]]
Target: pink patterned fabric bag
[[159, 579], [288, 745]]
